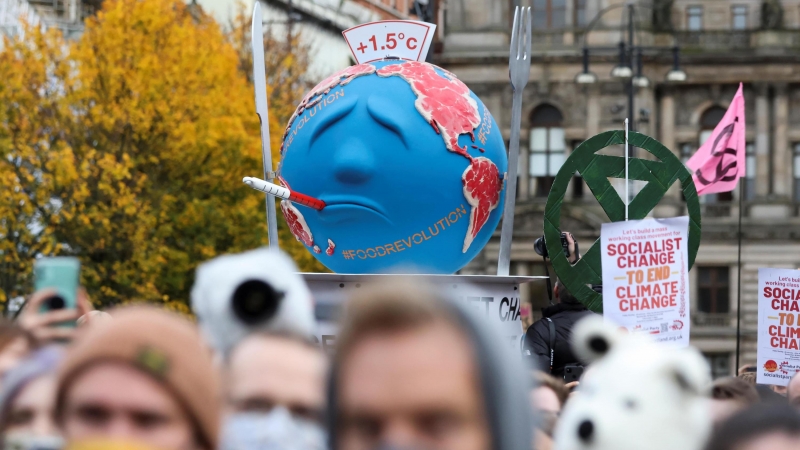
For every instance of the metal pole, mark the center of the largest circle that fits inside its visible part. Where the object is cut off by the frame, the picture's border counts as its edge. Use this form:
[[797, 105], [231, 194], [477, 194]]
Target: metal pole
[[630, 121], [627, 181], [739, 280]]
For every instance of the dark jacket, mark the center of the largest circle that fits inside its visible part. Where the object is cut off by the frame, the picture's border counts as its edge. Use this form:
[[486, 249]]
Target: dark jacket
[[536, 347]]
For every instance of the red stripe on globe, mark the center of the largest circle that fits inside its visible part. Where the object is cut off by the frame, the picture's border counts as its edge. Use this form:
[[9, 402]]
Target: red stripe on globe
[[408, 162]]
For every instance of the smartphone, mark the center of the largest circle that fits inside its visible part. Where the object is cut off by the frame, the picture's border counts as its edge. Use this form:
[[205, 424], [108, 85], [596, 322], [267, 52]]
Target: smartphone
[[61, 274], [572, 373]]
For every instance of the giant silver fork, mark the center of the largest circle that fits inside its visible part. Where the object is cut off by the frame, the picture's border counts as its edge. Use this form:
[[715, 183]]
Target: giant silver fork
[[519, 69]]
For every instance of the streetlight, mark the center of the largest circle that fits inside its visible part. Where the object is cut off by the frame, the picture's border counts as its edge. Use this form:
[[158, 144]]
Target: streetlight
[[586, 77], [621, 70], [640, 80], [676, 74]]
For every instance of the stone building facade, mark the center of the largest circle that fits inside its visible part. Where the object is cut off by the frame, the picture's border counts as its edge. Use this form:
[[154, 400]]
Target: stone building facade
[[721, 43]]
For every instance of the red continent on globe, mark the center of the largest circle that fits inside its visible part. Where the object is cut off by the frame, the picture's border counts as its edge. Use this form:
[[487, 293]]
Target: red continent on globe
[[444, 102], [297, 224], [482, 188]]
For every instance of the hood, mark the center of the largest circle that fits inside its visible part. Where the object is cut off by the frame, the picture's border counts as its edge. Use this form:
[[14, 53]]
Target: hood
[[504, 380]]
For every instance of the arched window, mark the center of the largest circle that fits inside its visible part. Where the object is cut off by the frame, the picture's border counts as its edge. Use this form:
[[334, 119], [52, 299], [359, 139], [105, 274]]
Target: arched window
[[546, 148], [710, 118]]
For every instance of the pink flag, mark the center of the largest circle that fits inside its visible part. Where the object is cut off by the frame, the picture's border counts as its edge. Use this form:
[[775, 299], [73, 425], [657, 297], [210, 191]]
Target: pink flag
[[719, 163]]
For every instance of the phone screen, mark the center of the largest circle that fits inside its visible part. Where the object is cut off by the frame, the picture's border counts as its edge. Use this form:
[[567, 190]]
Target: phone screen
[[60, 274]]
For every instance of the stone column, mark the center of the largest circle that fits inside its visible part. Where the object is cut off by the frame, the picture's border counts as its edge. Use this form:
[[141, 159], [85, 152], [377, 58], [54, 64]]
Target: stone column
[[781, 158], [762, 140], [667, 120], [523, 183], [592, 110]]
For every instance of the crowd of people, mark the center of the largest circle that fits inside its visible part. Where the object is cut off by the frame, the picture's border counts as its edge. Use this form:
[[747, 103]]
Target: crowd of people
[[412, 369]]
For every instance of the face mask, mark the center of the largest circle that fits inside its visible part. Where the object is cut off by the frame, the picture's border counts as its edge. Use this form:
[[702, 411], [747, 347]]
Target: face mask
[[276, 430], [30, 442]]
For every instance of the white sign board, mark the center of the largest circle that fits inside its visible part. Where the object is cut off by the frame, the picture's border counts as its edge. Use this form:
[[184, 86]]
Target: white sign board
[[496, 298], [778, 353], [404, 39], [645, 277]]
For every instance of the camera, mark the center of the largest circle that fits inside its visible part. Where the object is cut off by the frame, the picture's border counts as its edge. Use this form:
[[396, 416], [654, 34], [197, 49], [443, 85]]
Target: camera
[[259, 290], [541, 249]]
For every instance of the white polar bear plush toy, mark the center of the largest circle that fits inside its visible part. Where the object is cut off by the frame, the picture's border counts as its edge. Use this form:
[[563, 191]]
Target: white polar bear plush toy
[[636, 395]]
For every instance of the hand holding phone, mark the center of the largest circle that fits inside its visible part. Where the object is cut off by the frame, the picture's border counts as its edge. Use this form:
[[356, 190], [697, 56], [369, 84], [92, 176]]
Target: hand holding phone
[[51, 312]]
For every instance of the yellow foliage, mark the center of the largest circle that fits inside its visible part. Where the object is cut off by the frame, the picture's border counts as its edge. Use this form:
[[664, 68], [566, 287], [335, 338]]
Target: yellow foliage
[[127, 148]]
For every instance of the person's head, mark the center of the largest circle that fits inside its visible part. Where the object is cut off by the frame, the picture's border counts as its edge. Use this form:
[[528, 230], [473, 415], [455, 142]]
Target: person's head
[[547, 398], [729, 395], [15, 344], [562, 295], [747, 368], [780, 390], [275, 392], [413, 370], [142, 377], [748, 377], [27, 398], [793, 391], [774, 427]]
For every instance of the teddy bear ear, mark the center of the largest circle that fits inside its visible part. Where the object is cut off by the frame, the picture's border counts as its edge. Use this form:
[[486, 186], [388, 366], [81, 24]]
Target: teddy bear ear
[[592, 339], [690, 372]]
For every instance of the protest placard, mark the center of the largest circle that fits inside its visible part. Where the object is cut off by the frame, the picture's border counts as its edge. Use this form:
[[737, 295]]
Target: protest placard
[[645, 277], [778, 352]]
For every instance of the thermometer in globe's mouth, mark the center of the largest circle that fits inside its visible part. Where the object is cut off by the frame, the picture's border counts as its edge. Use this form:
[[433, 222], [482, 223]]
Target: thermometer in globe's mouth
[[281, 192]]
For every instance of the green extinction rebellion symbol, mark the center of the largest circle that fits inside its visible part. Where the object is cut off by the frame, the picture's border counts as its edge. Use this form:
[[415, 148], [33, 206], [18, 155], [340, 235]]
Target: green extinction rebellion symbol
[[596, 170]]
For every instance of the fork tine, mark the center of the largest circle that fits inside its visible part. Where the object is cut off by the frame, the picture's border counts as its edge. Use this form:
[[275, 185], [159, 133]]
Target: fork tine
[[521, 34], [528, 36], [514, 32]]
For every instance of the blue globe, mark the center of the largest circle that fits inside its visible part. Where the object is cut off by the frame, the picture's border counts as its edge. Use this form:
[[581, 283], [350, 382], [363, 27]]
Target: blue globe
[[409, 162]]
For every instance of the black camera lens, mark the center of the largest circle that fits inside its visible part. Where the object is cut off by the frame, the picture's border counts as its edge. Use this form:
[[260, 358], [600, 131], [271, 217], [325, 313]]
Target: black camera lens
[[255, 301], [55, 302], [539, 247]]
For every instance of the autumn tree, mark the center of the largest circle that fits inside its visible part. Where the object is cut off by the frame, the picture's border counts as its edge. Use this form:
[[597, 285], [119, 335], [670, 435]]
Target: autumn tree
[[126, 148]]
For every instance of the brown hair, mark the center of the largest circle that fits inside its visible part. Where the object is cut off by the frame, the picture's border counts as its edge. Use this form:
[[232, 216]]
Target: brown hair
[[737, 389], [392, 306], [749, 377], [541, 379], [10, 331]]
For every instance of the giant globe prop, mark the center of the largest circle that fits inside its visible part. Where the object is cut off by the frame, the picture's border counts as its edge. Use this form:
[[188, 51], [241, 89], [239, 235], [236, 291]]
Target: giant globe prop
[[409, 163]]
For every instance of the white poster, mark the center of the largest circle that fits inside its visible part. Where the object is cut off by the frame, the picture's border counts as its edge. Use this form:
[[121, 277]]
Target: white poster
[[496, 298], [645, 277], [778, 325]]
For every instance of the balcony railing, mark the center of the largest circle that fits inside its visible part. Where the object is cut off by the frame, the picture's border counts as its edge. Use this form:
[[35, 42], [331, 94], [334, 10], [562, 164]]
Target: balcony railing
[[712, 319], [711, 39]]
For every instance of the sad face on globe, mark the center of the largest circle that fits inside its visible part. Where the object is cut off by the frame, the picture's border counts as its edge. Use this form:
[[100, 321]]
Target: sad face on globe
[[409, 162]]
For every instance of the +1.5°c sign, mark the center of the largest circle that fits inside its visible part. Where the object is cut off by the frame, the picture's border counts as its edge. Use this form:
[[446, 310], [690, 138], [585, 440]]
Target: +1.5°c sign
[[403, 39], [595, 170]]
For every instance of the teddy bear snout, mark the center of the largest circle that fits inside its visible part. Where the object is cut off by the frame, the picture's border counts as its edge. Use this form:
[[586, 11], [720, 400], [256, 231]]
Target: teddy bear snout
[[586, 430]]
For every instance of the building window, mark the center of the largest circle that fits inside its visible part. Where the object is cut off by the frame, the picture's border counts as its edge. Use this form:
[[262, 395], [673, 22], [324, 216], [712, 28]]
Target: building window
[[546, 148], [694, 18], [750, 171], [713, 289], [739, 17], [549, 14], [687, 150], [720, 364], [579, 16]]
